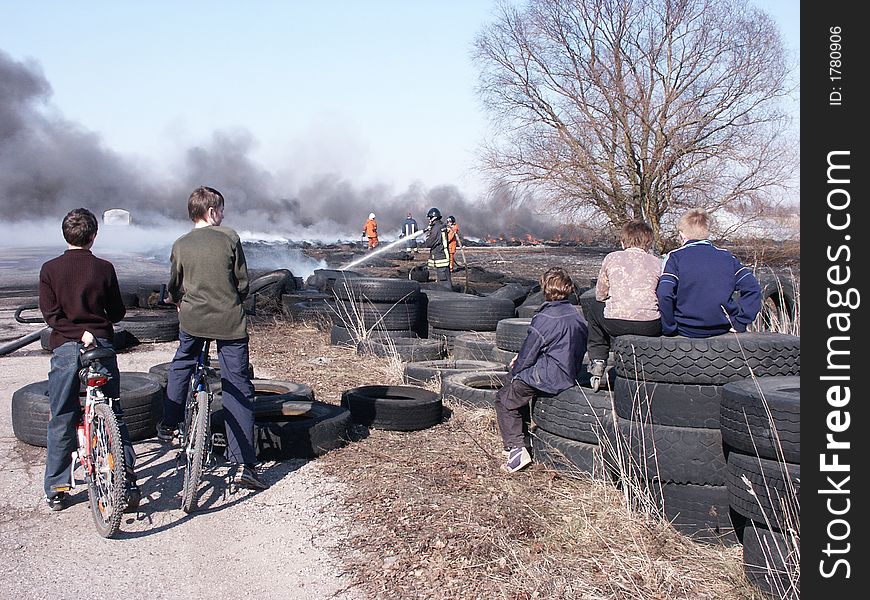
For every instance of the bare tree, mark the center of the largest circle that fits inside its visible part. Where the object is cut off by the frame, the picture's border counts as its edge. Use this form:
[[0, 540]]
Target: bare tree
[[637, 108]]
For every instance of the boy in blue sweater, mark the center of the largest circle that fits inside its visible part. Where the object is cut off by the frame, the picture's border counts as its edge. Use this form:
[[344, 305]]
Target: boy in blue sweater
[[697, 285]]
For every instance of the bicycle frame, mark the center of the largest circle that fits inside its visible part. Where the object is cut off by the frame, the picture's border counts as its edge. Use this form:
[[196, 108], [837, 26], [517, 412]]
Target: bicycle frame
[[95, 377]]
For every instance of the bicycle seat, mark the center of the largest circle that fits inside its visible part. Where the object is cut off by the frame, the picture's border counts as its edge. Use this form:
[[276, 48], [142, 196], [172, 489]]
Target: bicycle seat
[[96, 354]]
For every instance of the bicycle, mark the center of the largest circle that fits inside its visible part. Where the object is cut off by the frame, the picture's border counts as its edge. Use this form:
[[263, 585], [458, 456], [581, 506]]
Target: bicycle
[[196, 440], [100, 452]]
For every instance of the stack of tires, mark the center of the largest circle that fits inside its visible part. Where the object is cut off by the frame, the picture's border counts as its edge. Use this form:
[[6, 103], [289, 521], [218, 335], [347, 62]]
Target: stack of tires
[[569, 428], [451, 314], [667, 436], [760, 422], [365, 305], [141, 401], [309, 307], [509, 337]]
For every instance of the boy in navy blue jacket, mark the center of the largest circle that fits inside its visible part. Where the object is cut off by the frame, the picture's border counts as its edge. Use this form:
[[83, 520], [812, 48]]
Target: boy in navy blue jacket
[[549, 362], [697, 285]]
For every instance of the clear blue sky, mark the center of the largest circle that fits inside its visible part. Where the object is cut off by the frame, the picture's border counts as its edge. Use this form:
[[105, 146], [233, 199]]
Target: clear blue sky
[[375, 90]]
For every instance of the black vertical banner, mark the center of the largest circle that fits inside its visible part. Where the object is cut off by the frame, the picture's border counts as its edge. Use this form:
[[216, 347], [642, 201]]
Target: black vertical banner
[[835, 431]]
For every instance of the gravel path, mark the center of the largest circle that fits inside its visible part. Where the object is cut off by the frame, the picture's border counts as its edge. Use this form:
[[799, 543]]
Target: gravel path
[[278, 543]]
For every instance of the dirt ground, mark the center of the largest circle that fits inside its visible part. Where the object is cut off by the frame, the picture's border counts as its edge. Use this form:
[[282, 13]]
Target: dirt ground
[[390, 515]]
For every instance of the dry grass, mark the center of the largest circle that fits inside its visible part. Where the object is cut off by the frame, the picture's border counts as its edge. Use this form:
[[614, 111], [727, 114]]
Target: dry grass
[[435, 518]]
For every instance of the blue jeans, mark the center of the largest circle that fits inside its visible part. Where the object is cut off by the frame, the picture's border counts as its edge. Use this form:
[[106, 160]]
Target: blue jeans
[[65, 411], [237, 392]]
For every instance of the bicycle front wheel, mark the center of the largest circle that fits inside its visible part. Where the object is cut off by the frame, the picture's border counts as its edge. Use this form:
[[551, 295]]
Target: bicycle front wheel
[[106, 481], [196, 427]]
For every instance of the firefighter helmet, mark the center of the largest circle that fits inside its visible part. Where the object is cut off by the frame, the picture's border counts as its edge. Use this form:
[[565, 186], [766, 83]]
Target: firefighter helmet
[[433, 214], [451, 220]]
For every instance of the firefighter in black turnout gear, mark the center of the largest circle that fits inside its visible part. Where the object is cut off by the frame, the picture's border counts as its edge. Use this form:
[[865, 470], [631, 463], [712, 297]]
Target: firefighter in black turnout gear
[[436, 241]]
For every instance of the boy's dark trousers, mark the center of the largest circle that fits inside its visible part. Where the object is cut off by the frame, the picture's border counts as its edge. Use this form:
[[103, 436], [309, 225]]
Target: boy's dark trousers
[[602, 330], [237, 392], [512, 409], [65, 410]]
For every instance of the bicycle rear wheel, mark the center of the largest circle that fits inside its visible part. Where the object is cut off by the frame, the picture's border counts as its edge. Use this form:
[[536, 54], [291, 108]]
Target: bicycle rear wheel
[[196, 424], [106, 482]]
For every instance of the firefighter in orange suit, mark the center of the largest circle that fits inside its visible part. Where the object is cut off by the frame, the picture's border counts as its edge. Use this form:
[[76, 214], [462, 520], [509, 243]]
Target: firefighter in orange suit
[[453, 239], [370, 230]]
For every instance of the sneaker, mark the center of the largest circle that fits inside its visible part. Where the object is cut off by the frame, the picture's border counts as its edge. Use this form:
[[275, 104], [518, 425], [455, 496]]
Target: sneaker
[[133, 495], [247, 477], [596, 372], [166, 433], [518, 458], [56, 502]]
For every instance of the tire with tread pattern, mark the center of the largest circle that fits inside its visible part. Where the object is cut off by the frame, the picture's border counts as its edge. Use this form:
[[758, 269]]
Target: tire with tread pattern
[[378, 290], [577, 414], [106, 489], [463, 312], [674, 404], [573, 458], [474, 388], [511, 333], [771, 561], [774, 496], [747, 408], [419, 372], [393, 407], [699, 511], [194, 451], [323, 428], [706, 361]]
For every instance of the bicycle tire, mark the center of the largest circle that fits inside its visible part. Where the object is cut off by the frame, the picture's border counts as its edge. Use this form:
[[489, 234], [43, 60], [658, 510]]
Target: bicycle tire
[[106, 484], [197, 425]]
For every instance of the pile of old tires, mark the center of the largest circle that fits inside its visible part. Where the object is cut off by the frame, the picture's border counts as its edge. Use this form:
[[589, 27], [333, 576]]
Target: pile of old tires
[[509, 337], [141, 401], [393, 308], [760, 422], [569, 428], [667, 437], [451, 314]]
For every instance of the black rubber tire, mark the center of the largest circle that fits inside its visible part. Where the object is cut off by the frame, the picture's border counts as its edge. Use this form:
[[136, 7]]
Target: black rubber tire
[[120, 341], [291, 298], [419, 372], [515, 292], [511, 333], [267, 394], [674, 404], [139, 395], [527, 311], [771, 562], [318, 313], [273, 284], [701, 512], [468, 313], [706, 361], [111, 492], [473, 388], [570, 457], [502, 357], [152, 326], [772, 484], [326, 280], [365, 290], [380, 315], [406, 349], [393, 407], [323, 428], [130, 299], [340, 336], [198, 428], [577, 414], [473, 345], [587, 300], [779, 303], [678, 454], [745, 420], [141, 402]]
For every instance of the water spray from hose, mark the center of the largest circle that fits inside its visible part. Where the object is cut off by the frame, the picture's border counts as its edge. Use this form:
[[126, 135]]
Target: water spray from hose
[[382, 249]]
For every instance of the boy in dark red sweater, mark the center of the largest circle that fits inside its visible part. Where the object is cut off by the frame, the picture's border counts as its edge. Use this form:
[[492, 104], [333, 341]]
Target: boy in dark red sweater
[[80, 299]]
